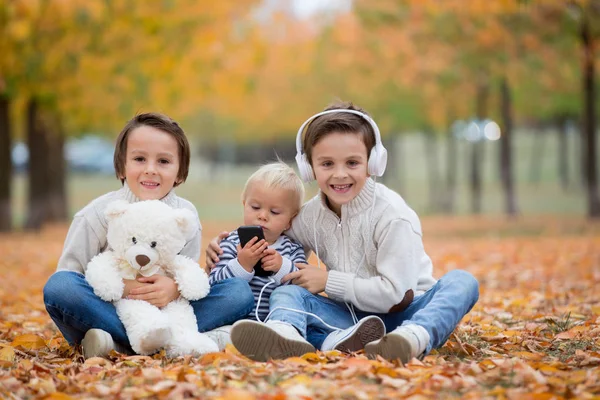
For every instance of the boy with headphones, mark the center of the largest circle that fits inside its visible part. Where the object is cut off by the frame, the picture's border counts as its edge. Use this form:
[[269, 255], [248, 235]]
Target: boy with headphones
[[371, 243]]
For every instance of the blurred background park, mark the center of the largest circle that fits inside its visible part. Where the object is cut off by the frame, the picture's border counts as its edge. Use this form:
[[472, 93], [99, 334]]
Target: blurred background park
[[487, 107]]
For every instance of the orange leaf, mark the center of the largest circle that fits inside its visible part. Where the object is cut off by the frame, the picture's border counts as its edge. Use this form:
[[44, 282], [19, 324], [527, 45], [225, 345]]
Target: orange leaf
[[57, 396], [29, 341], [529, 356]]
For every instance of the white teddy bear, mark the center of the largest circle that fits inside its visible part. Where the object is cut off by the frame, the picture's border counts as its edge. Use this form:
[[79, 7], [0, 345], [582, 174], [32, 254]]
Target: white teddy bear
[[144, 238]]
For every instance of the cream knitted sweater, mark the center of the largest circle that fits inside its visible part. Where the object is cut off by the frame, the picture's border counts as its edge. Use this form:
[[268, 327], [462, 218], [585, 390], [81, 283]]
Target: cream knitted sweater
[[87, 234], [374, 253]]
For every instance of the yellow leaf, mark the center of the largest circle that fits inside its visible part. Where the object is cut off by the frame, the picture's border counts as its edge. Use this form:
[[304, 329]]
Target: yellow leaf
[[386, 371], [7, 354], [29, 341], [26, 364], [296, 360], [297, 380], [314, 357]]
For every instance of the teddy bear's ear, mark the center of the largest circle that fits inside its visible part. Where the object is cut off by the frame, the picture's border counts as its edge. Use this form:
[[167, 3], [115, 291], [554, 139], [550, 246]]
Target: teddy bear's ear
[[115, 209], [186, 221]]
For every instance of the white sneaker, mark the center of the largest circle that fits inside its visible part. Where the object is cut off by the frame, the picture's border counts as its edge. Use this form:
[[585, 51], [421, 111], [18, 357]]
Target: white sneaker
[[356, 337], [99, 343], [261, 341], [404, 342], [221, 336]]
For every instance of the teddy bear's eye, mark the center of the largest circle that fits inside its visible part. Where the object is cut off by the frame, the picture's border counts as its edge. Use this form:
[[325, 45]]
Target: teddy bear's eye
[[153, 244], [134, 240]]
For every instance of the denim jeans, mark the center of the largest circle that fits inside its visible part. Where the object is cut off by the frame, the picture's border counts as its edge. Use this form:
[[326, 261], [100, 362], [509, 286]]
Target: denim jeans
[[438, 310], [74, 308]]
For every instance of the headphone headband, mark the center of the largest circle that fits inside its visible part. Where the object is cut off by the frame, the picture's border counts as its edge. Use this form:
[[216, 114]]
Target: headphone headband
[[377, 157], [341, 110]]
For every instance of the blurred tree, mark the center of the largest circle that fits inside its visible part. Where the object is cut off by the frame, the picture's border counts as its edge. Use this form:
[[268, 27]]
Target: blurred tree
[[42, 42], [5, 164]]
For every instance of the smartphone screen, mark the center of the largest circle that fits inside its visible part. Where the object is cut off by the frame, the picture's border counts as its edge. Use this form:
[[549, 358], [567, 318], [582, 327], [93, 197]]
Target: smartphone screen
[[246, 233]]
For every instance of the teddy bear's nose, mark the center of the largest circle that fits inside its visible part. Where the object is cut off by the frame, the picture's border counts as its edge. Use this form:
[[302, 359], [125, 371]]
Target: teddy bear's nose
[[142, 260]]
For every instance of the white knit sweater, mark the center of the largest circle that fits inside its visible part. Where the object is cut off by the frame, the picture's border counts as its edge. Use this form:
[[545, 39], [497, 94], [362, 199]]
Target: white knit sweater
[[87, 234], [374, 253]]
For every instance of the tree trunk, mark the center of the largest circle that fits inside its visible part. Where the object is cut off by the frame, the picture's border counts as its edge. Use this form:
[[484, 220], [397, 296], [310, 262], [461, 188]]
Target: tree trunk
[[38, 168], [589, 119], [475, 176], [451, 172], [537, 156], [432, 160], [563, 151], [506, 159], [57, 191], [477, 147], [5, 166]]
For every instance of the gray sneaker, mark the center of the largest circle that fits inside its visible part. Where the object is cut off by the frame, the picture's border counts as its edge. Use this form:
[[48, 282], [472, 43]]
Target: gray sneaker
[[275, 340], [405, 343], [355, 338], [99, 343]]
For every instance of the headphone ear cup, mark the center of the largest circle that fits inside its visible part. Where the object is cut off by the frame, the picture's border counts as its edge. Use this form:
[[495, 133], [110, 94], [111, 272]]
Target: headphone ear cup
[[304, 169], [377, 160]]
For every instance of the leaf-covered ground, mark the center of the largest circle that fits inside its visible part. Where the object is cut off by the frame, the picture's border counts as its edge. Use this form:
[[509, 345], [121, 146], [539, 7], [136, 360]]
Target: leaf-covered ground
[[535, 332]]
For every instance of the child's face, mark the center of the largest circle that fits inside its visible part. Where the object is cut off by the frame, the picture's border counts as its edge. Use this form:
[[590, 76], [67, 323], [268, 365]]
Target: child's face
[[271, 208], [152, 162], [340, 161]]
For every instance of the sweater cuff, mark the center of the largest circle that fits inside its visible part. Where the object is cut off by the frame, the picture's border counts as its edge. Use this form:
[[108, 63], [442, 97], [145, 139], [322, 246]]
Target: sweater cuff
[[338, 284], [286, 268], [238, 271]]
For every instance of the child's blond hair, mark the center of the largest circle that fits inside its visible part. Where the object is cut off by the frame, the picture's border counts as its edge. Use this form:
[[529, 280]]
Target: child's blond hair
[[278, 175]]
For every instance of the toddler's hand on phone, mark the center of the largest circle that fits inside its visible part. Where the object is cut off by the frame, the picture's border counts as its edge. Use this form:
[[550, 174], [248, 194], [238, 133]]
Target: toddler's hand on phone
[[272, 260], [251, 253]]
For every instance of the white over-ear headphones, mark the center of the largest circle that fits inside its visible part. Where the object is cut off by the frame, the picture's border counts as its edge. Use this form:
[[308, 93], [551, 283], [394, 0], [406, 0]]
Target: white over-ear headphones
[[377, 158]]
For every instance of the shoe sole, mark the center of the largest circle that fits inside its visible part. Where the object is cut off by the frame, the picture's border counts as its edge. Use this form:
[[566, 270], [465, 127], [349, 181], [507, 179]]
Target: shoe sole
[[369, 330], [260, 343], [390, 347]]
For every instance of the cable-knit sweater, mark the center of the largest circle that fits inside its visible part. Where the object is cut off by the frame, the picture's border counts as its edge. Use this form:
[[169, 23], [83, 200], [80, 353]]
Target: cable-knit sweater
[[87, 234], [374, 253]]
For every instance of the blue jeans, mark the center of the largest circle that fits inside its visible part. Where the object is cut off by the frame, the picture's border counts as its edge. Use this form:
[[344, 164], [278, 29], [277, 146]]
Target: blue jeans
[[438, 310], [74, 308]]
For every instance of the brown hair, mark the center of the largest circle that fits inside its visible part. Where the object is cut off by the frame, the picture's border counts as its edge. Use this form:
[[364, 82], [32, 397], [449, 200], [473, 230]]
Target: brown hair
[[340, 123], [163, 123]]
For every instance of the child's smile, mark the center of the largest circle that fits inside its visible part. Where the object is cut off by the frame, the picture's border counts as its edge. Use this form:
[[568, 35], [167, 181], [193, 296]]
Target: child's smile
[[152, 163], [341, 188], [340, 164]]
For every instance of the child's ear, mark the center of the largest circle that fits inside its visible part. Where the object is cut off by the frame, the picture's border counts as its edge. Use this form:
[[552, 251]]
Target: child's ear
[[289, 225]]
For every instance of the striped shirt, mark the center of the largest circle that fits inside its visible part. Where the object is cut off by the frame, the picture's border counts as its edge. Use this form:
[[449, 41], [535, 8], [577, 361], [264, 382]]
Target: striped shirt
[[229, 267]]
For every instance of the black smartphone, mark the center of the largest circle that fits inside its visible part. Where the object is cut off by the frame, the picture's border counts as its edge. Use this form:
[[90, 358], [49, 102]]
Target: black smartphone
[[246, 233]]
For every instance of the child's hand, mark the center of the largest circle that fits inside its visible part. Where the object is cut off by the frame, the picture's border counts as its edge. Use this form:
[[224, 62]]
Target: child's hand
[[213, 250], [158, 290], [311, 278], [272, 260], [251, 253]]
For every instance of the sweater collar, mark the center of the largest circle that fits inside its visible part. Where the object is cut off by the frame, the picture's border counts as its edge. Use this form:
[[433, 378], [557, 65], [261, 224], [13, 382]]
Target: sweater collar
[[363, 201], [170, 199]]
